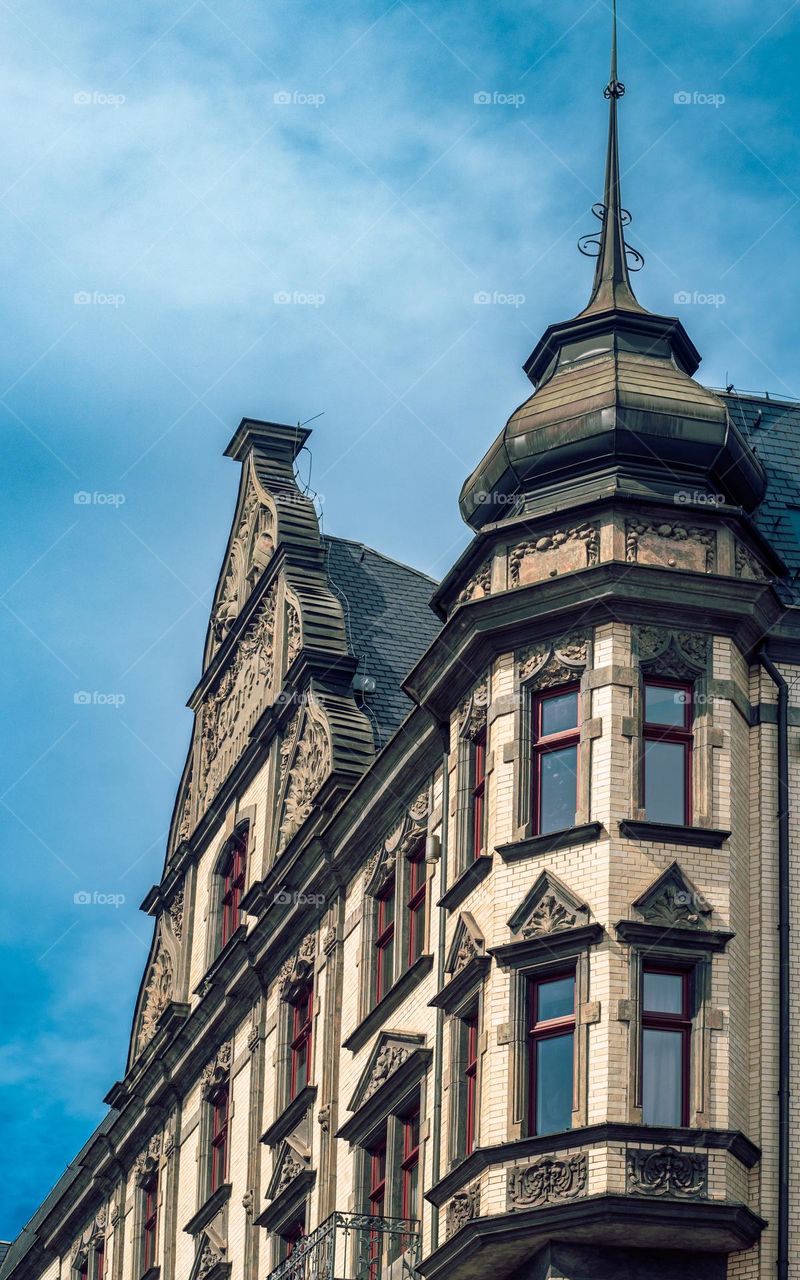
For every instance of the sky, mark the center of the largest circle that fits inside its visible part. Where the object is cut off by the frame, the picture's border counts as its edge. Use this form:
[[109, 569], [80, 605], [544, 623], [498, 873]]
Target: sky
[[367, 211]]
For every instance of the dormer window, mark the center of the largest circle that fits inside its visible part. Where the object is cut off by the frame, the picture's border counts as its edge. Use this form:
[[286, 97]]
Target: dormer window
[[668, 742]]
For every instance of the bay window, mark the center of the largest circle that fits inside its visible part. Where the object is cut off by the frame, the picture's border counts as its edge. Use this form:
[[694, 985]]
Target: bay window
[[551, 1051], [556, 736], [666, 1044], [667, 765]]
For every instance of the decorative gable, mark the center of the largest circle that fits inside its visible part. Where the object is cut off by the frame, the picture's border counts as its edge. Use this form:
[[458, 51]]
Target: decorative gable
[[672, 901], [305, 763], [210, 1259], [250, 549], [468, 944], [293, 1160], [403, 839], [548, 907], [392, 1050]]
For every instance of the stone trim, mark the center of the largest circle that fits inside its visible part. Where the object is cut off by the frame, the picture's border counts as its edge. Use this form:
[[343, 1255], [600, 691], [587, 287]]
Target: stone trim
[[666, 833], [376, 1017], [468, 880], [537, 846]]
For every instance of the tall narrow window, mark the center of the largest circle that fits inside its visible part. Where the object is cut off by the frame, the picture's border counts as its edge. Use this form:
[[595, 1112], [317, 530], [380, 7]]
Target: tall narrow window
[[666, 1044], [384, 940], [149, 1221], [417, 892], [555, 759], [478, 796], [100, 1260], [81, 1271], [292, 1236], [551, 1053], [220, 1117], [377, 1205], [470, 1080], [233, 871], [409, 1198], [668, 752], [300, 1046]]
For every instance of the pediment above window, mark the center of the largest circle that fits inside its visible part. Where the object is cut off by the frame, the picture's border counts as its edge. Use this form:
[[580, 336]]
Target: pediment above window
[[474, 711], [677, 655], [210, 1259], [402, 840], [466, 963], [397, 1063], [549, 663], [548, 907], [292, 1162], [298, 969], [673, 902]]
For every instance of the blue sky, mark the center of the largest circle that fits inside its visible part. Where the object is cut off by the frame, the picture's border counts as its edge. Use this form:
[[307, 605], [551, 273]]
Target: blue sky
[[184, 165]]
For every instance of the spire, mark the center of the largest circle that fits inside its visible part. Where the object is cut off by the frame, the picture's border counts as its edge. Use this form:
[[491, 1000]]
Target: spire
[[612, 285]]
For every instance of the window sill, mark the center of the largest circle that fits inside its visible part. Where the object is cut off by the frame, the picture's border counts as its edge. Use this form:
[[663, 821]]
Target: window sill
[[209, 1209], [220, 959], [152, 1273], [394, 996], [291, 1116], [461, 888], [535, 846], [667, 833]]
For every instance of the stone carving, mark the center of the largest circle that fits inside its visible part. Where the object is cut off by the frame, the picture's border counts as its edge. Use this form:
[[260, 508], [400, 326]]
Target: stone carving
[[473, 715], [555, 662], [544, 1181], [403, 839], [251, 552], [237, 698], [291, 1168], [298, 968], [310, 765], [464, 1206], [390, 1058], [324, 1118], [248, 1202], [148, 1160], [667, 1172], [176, 914], [468, 944], [253, 1036], [157, 996], [170, 1130], [673, 902], [560, 552], [478, 586], [329, 939], [547, 908], [551, 915], [676, 654], [672, 545], [210, 1257], [294, 638], [185, 824], [216, 1071], [747, 566]]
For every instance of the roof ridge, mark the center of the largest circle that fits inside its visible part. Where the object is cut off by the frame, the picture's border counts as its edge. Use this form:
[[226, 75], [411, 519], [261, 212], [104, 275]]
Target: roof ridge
[[354, 542]]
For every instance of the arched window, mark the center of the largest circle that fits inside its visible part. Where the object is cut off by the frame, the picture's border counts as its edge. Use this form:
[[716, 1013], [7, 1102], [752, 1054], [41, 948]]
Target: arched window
[[233, 872]]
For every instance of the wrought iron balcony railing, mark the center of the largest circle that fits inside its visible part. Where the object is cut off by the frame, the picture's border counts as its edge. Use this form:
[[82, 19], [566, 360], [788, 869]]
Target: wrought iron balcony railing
[[355, 1246]]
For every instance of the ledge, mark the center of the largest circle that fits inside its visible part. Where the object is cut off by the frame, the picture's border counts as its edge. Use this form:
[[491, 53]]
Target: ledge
[[569, 940], [454, 991], [152, 1273], [655, 935], [504, 1242], [386, 1098], [535, 846], [209, 1209], [666, 833], [461, 888], [290, 1116], [221, 958], [733, 1140], [285, 1204], [394, 996]]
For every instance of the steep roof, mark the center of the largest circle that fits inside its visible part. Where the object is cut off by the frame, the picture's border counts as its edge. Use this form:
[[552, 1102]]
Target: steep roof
[[389, 624]]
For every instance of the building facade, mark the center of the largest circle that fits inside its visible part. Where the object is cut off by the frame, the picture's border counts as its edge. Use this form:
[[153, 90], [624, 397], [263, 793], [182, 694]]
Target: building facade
[[472, 948]]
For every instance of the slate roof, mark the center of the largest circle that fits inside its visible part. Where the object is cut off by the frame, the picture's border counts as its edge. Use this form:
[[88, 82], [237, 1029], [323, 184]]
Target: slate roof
[[772, 428], [389, 624]]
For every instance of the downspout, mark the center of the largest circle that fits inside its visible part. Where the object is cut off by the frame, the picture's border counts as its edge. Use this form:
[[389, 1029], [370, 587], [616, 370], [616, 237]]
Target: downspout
[[783, 963], [439, 1036]]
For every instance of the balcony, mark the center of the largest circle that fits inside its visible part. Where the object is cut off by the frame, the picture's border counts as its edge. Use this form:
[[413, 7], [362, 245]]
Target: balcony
[[355, 1246]]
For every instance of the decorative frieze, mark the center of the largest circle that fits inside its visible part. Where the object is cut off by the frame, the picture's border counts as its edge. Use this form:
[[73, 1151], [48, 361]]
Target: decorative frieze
[[562, 551], [251, 550], [747, 566], [176, 914], [670, 544], [677, 655], [667, 1172], [157, 995], [309, 763], [478, 586], [464, 1206], [390, 1058], [553, 662], [545, 1181]]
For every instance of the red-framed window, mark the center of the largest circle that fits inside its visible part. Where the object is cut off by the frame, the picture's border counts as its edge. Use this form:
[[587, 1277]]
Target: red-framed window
[[666, 1005], [300, 1044], [377, 1205], [234, 873], [220, 1123], [417, 894], [409, 1169], [82, 1269], [556, 735], [478, 796], [293, 1235], [100, 1260], [384, 940], [668, 743], [470, 1080], [551, 1050], [149, 1221]]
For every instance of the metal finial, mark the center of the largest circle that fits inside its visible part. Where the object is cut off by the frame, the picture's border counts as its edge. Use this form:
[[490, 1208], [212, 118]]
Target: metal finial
[[615, 259]]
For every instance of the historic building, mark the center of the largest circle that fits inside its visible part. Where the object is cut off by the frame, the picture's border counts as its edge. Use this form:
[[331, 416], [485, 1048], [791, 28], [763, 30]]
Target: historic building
[[471, 949]]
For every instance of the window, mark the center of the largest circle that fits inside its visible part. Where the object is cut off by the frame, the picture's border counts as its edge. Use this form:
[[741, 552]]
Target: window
[[551, 1038], [292, 1236], [417, 890], [300, 1044], [233, 872], [668, 752], [100, 1260], [470, 1080], [478, 796], [81, 1270], [220, 1116], [384, 940], [666, 1044], [149, 1221], [555, 759], [409, 1197]]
